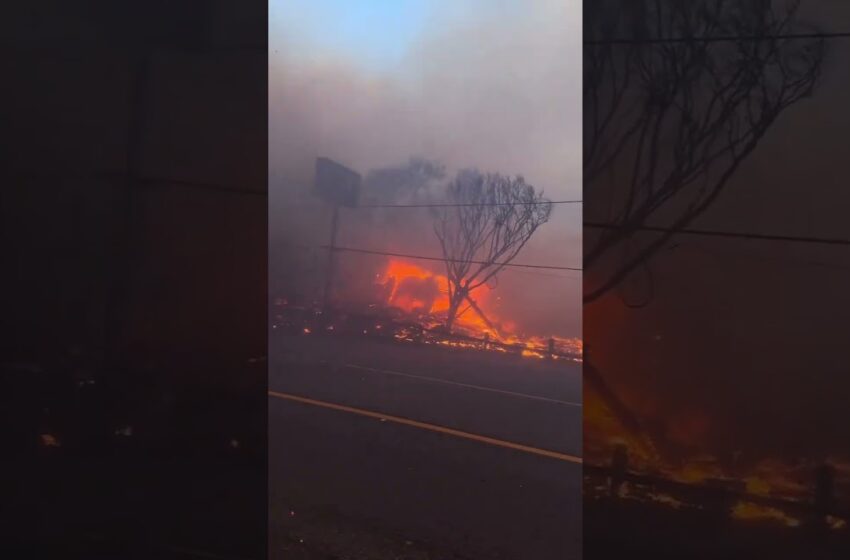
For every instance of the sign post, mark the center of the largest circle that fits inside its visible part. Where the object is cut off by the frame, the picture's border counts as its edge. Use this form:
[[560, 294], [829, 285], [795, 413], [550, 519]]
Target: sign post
[[331, 261]]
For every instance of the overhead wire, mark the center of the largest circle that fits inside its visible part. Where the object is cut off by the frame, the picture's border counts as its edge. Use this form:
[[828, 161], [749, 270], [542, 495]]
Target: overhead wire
[[475, 204], [716, 38], [727, 234], [442, 259]]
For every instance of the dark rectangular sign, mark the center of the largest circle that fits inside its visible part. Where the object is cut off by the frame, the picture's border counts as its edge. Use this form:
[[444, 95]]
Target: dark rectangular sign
[[336, 183]]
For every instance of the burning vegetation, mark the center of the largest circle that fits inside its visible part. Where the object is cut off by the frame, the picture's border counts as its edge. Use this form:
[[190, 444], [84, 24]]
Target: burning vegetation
[[480, 222], [624, 462], [424, 296], [468, 229], [409, 303]]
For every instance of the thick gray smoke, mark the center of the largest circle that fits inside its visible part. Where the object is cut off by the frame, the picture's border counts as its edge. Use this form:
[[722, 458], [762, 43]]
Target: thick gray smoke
[[496, 89]]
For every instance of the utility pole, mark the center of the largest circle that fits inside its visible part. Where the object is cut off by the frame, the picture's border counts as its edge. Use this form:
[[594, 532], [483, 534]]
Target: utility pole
[[329, 276], [338, 186], [117, 304]]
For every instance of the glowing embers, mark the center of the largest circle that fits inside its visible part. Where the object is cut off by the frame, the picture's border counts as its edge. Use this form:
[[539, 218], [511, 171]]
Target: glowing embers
[[754, 512], [409, 303], [628, 491], [624, 465]]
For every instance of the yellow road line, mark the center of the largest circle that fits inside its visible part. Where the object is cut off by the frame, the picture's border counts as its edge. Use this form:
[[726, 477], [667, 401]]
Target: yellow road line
[[464, 385], [431, 427]]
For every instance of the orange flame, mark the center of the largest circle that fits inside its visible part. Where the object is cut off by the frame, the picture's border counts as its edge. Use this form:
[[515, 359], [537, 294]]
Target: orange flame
[[418, 290], [412, 285]]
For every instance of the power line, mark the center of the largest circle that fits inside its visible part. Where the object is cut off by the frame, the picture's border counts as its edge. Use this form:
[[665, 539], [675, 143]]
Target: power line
[[716, 39], [784, 260], [546, 274], [149, 181], [727, 234], [440, 259], [452, 205], [144, 181]]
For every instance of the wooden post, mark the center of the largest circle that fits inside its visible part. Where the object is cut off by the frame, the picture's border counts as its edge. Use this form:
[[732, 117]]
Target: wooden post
[[619, 468], [125, 239], [719, 498], [823, 499]]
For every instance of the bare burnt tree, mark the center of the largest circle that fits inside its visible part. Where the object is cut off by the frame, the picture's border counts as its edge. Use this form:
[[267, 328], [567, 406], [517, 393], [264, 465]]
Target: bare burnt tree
[[491, 219], [670, 116]]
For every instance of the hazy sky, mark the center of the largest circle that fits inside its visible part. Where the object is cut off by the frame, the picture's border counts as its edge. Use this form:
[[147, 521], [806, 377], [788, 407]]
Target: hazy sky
[[375, 33], [493, 84]]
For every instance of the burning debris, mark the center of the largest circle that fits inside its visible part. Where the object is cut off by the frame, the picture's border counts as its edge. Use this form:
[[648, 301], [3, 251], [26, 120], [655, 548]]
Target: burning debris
[[426, 299], [769, 491], [409, 304], [754, 512]]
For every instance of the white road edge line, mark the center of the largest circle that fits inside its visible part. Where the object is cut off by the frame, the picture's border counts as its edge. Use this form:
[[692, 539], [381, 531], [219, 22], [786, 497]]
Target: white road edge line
[[465, 385]]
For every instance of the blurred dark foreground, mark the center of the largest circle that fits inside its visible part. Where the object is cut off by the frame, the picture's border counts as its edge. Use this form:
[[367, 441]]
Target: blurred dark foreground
[[627, 529], [133, 464], [133, 217]]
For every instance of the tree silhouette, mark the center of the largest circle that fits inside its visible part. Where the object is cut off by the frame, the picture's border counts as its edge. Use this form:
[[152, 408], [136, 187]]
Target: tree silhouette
[[491, 220], [408, 183], [669, 122]]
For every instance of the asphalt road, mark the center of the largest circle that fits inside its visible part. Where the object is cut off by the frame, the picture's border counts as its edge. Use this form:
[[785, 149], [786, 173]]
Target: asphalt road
[[472, 455]]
